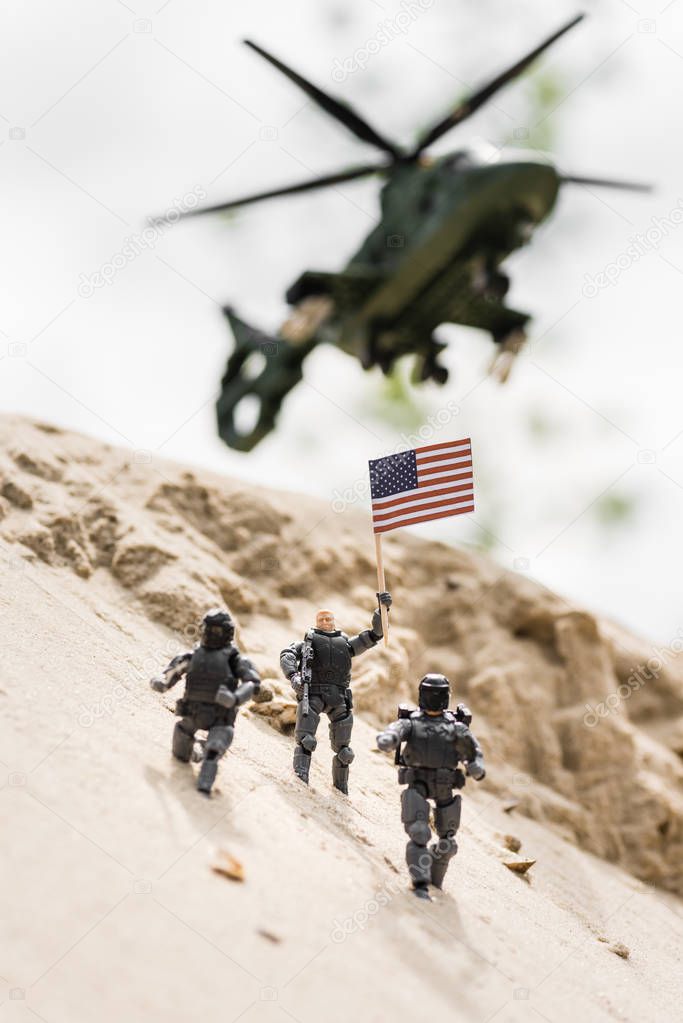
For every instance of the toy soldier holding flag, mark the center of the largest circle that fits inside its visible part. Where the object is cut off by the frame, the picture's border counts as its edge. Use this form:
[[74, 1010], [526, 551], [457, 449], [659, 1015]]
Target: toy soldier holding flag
[[319, 670]]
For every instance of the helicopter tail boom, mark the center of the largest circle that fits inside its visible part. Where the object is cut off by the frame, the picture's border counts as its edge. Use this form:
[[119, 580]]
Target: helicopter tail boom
[[263, 386]]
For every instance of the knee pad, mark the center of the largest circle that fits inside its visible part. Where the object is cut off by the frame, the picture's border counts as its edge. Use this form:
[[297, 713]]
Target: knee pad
[[306, 725], [346, 755], [419, 832], [218, 741], [308, 742], [444, 848]]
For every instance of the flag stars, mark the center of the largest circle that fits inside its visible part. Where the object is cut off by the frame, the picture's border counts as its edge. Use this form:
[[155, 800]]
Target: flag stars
[[393, 474]]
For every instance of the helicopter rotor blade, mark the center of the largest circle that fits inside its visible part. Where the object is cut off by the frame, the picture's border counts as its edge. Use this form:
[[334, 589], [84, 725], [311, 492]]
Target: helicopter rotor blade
[[304, 186], [477, 99], [338, 109], [630, 186]]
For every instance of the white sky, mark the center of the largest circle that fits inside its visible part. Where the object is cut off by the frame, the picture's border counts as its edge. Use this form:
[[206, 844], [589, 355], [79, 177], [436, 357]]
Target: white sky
[[109, 110]]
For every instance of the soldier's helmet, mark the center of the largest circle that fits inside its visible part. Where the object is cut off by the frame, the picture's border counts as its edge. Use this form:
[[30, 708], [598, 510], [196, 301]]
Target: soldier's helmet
[[218, 629], [434, 693]]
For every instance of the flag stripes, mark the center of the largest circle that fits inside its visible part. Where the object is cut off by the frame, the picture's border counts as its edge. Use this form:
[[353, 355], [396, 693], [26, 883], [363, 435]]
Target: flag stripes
[[422, 485]]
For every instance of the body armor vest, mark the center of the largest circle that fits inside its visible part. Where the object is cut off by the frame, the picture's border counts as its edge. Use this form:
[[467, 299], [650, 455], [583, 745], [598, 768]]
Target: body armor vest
[[434, 741], [209, 669], [331, 661]]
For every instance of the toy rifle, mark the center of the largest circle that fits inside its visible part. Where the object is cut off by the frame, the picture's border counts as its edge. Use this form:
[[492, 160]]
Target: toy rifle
[[404, 712], [306, 658]]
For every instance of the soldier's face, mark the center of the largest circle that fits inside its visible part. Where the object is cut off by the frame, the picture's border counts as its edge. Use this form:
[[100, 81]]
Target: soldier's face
[[324, 620]]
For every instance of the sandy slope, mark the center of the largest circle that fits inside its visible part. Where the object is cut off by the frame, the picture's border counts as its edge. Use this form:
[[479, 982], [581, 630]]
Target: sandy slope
[[110, 908]]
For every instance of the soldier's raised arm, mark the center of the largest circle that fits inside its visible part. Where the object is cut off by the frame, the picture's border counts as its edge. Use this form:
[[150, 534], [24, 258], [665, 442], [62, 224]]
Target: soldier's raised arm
[[370, 637], [172, 674]]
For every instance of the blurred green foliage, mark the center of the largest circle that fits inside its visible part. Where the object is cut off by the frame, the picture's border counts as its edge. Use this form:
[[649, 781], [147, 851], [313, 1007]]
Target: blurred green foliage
[[545, 93], [615, 509], [394, 399], [541, 427]]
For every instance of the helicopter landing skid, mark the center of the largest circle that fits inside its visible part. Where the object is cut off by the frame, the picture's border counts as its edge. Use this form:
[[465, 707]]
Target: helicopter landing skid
[[306, 319], [503, 361]]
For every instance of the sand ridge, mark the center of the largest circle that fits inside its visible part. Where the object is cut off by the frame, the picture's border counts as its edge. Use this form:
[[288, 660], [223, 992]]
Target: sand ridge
[[107, 564]]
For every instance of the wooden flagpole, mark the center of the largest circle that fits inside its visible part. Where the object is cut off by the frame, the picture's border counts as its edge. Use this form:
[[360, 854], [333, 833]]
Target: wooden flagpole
[[381, 586]]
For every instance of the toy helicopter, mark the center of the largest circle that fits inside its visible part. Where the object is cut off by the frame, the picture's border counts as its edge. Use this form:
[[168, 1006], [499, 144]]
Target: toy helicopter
[[446, 226]]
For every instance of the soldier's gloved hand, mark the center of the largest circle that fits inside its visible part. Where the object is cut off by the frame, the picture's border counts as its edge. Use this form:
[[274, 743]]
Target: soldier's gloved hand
[[475, 769], [387, 740], [246, 691], [158, 684], [384, 601], [225, 697], [297, 685]]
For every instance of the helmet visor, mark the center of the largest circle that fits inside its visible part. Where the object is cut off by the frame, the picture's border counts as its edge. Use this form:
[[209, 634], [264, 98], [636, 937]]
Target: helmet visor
[[433, 698]]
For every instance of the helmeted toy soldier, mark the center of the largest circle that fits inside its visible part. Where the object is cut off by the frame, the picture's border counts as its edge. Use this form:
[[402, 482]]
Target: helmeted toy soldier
[[436, 741], [218, 679], [319, 670]]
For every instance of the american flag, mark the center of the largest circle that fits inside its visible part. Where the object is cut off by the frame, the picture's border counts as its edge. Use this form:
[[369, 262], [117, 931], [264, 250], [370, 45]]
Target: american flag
[[422, 484]]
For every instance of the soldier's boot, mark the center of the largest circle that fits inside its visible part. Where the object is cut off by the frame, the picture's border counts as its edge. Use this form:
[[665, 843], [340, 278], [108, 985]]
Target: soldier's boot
[[340, 769], [447, 821], [183, 739], [302, 757], [306, 726], [217, 742], [207, 775], [419, 860], [415, 817], [341, 726]]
